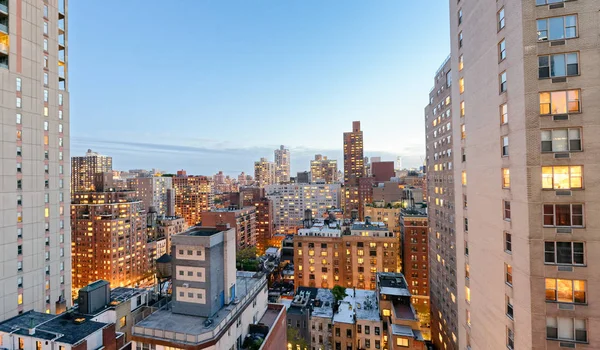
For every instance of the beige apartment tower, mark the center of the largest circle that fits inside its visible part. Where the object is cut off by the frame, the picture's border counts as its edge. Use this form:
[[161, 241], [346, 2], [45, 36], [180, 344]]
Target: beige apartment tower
[[85, 168], [526, 164], [35, 236]]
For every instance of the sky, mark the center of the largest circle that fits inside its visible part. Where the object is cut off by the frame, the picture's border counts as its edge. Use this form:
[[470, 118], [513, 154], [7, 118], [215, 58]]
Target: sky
[[209, 85]]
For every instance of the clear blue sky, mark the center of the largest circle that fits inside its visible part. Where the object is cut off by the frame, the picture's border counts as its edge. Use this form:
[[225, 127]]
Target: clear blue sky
[[214, 85]]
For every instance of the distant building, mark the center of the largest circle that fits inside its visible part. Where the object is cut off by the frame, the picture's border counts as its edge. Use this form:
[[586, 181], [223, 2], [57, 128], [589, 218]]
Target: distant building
[[168, 226], [290, 201], [84, 168], [323, 169], [264, 173], [108, 238], [303, 177], [388, 192], [213, 306], [382, 171], [154, 192], [242, 220], [282, 165], [354, 167], [193, 196], [329, 254]]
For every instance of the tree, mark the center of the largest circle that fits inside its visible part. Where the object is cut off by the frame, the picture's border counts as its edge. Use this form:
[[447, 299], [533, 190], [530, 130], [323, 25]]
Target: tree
[[295, 339], [339, 293], [246, 254]]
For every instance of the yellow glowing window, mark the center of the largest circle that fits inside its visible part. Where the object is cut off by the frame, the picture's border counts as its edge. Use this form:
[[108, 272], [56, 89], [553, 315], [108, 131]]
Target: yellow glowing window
[[562, 177], [386, 312], [467, 294], [560, 102], [462, 108], [505, 177], [20, 299], [464, 177], [461, 85], [46, 212], [461, 63]]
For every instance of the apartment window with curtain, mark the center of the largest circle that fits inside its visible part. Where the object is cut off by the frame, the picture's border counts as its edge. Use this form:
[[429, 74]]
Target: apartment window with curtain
[[560, 102], [562, 177], [561, 140], [566, 328], [563, 215]]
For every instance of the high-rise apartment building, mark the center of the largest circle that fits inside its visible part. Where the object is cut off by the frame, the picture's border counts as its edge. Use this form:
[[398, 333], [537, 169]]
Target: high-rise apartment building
[[109, 238], [323, 169], [243, 220], [193, 196], [442, 250], [282, 165], [83, 170], [264, 173], [527, 83], [290, 201], [154, 192], [354, 167], [34, 153]]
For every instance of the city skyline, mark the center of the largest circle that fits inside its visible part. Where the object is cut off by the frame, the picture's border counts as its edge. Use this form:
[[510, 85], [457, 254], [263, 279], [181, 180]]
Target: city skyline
[[256, 72]]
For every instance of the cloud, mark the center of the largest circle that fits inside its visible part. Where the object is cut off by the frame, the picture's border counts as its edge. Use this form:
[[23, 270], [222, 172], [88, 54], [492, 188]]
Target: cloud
[[212, 157]]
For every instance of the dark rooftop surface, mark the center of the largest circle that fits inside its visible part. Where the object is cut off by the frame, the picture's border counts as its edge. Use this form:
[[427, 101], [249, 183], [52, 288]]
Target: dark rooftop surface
[[269, 317], [392, 280], [123, 294], [404, 312], [94, 285], [47, 326], [201, 231]]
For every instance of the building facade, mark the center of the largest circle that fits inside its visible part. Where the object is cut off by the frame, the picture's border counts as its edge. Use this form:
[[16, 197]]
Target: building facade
[[213, 306], [154, 192], [242, 220], [290, 201], [34, 156], [327, 255], [282, 165], [354, 167], [323, 169], [109, 239], [83, 170], [440, 199], [193, 196], [526, 73], [264, 173]]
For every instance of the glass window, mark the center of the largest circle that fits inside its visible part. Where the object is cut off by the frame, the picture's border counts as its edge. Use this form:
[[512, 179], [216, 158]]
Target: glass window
[[560, 65], [504, 114], [507, 242], [561, 140], [564, 253], [563, 215], [508, 277], [18, 84], [505, 178], [501, 19], [503, 85], [565, 291], [506, 210], [560, 102], [502, 50], [504, 146], [557, 28], [562, 177]]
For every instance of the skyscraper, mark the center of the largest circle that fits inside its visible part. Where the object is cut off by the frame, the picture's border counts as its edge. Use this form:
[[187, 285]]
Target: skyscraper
[[323, 169], [282, 165], [526, 94], [264, 172], [193, 195], [442, 251], [84, 168], [354, 167], [35, 253]]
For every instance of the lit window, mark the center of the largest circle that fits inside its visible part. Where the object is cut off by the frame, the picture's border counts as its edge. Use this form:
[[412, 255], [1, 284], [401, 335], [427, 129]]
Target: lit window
[[462, 108], [467, 294], [461, 63], [461, 85], [504, 114], [464, 177], [402, 342], [565, 291], [505, 178], [508, 277], [560, 102], [562, 177]]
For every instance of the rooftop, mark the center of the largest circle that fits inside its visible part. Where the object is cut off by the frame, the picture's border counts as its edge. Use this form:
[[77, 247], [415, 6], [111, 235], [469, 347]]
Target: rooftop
[[61, 328], [121, 294], [391, 283], [373, 226], [405, 331], [94, 285], [168, 326], [358, 304], [323, 306], [203, 231]]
